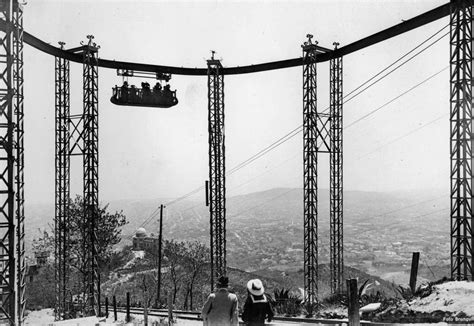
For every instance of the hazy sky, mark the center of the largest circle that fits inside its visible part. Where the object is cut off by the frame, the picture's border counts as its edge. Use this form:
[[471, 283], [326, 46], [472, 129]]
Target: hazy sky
[[150, 153]]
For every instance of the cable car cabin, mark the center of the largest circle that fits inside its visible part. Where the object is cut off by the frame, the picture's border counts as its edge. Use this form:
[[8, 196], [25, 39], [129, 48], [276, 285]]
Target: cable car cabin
[[132, 96]]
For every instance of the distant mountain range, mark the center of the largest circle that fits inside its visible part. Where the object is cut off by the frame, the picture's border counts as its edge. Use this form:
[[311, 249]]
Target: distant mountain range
[[265, 229]]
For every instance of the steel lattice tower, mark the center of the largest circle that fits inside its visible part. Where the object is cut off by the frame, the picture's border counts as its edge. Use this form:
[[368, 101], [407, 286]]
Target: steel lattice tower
[[311, 121], [335, 180], [91, 171], [12, 259], [18, 80], [77, 135], [461, 38], [215, 84], [62, 191], [322, 133]]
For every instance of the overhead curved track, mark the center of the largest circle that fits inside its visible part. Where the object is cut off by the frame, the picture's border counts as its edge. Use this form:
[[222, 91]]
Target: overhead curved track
[[393, 31]]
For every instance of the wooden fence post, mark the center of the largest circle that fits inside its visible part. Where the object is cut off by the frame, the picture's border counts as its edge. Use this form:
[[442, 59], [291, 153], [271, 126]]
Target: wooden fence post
[[106, 307], [170, 308], [127, 317], [353, 298], [115, 307], [414, 271]]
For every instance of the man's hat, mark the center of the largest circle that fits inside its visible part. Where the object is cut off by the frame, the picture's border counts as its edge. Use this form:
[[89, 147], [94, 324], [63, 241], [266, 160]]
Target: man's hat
[[223, 281], [255, 287]]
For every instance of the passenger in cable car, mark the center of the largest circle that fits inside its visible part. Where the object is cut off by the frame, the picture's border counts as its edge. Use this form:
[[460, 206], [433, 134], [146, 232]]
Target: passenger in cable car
[[133, 93], [167, 91], [124, 92], [146, 93], [157, 88], [145, 86], [159, 96]]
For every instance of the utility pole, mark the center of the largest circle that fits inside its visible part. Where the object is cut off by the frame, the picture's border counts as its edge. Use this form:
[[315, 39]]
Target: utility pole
[[160, 240]]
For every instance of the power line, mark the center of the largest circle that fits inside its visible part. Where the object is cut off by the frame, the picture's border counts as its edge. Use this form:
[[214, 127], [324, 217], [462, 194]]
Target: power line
[[403, 136], [298, 129], [405, 207], [418, 216], [265, 172], [250, 180], [400, 65], [289, 136], [396, 97], [189, 194], [377, 149], [398, 60], [267, 149]]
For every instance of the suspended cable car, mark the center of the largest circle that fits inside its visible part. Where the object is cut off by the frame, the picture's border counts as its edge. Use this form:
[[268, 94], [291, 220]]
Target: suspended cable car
[[159, 97]]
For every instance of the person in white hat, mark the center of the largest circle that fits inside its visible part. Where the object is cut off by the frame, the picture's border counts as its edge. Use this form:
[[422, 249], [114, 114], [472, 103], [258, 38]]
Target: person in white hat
[[257, 306]]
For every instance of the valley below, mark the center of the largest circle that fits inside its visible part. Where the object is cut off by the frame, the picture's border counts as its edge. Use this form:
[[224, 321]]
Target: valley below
[[265, 230]]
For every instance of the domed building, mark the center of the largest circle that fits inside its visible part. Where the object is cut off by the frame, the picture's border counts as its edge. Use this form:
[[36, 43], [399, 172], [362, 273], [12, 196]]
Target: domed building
[[141, 233], [141, 241]]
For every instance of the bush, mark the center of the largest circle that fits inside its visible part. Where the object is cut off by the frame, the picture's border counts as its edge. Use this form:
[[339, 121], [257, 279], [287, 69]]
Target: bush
[[40, 293], [421, 291], [288, 303]]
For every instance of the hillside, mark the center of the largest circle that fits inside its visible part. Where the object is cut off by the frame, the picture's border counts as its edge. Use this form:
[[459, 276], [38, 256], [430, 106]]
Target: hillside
[[130, 277], [296, 279], [265, 229]]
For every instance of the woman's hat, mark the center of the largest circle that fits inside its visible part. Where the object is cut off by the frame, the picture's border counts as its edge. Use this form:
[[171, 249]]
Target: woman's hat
[[223, 281], [255, 287]]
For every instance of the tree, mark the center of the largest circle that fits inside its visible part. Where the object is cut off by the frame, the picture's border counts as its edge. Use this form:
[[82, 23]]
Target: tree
[[148, 288], [40, 290], [185, 268], [186, 264], [195, 260], [108, 230], [43, 247], [174, 252]]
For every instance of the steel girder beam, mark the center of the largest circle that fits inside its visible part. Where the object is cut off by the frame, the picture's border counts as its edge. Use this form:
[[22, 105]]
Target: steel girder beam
[[91, 174], [403, 27], [62, 190], [18, 80], [461, 38], [217, 209], [335, 180]]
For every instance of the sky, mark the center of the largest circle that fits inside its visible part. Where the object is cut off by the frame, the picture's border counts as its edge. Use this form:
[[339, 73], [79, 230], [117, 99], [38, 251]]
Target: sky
[[147, 153]]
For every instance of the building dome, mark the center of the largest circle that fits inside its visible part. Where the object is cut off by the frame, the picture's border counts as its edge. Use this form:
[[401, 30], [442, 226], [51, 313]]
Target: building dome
[[141, 233]]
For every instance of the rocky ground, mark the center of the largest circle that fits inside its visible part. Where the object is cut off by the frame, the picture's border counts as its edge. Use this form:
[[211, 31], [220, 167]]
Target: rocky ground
[[451, 302]]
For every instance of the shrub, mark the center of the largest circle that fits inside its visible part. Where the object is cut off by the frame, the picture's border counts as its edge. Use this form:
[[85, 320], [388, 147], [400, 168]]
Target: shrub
[[287, 303]]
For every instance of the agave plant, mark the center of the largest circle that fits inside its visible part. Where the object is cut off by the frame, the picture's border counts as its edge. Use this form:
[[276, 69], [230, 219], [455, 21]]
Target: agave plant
[[287, 303], [421, 291], [365, 297]]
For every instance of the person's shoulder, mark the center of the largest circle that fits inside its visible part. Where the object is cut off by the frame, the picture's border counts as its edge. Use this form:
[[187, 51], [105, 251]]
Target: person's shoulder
[[232, 296]]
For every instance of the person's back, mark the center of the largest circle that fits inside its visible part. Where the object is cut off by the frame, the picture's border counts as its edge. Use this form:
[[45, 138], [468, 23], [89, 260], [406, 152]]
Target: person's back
[[256, 310], [257, 307], [221, 307]]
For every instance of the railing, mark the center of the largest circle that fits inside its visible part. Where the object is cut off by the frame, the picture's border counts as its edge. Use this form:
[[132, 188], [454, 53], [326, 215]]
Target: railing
[[193, 315]]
